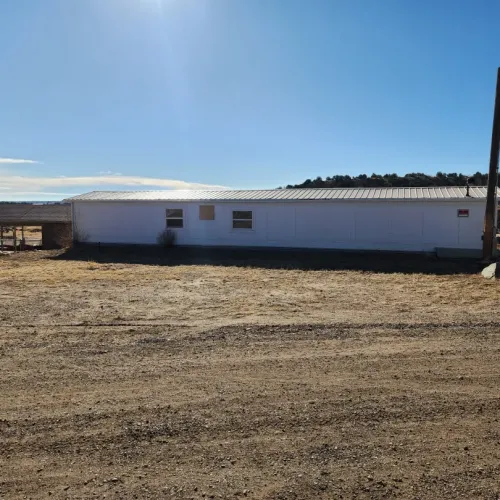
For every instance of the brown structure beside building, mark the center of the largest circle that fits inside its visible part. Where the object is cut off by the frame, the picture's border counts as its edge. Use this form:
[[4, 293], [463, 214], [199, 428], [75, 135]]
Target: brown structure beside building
[[53, 218]]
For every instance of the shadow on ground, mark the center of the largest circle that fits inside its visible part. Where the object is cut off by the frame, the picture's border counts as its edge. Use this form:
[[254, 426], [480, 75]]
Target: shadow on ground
[[380, 262]]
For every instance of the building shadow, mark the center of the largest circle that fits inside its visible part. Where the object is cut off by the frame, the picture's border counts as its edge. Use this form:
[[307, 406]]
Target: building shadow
[[367, 261]]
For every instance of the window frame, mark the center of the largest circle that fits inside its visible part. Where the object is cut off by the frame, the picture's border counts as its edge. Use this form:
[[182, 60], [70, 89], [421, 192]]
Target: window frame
[[176, 218], [239, 219]]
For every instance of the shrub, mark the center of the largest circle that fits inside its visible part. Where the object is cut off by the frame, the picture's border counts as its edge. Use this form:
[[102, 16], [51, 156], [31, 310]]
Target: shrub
[[166, 238]]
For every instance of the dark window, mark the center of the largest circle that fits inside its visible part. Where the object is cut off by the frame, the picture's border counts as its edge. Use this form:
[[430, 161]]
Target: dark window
[[175, 223], [242, 219], [240, 214], [175, 213], [242, 224], [175, 217]]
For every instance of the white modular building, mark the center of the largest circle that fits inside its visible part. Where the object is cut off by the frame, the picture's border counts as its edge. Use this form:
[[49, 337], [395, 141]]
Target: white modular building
[[393, 219]]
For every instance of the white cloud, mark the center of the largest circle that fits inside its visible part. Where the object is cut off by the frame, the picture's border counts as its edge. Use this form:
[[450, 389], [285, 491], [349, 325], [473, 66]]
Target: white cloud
[[20, 183], [38, 193], [33, 195], [108, 172], [16, 160]]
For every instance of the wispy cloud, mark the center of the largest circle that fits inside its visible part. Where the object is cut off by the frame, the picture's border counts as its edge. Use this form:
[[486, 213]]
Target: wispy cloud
[[11, 161], [19, 183], [37, 193], [108, 172]]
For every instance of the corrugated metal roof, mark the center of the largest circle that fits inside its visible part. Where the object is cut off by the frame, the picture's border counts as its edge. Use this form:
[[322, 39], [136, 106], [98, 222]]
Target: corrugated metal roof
[[405, 193], [24, 213]]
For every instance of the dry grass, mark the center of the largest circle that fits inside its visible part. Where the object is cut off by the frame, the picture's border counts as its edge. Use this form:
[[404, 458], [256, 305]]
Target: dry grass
[[216, 295]]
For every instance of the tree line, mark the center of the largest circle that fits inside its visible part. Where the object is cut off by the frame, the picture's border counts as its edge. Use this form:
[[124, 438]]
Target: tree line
[[393, 180]]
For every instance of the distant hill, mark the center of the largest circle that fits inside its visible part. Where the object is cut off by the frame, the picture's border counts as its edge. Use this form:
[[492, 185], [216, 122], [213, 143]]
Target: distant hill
[[393, 180]]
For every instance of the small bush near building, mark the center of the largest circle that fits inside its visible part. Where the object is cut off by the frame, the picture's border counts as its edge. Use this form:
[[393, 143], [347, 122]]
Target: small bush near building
[[166, 238]]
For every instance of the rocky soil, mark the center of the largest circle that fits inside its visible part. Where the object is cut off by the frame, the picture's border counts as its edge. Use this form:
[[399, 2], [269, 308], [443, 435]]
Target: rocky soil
[[169, 380], [275, 412]]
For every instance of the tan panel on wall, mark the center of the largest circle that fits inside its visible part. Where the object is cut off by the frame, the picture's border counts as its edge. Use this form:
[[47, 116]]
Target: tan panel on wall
[[207, 212]]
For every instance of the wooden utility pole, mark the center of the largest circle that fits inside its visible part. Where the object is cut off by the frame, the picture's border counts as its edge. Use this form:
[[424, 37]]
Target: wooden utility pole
[[489, 236]]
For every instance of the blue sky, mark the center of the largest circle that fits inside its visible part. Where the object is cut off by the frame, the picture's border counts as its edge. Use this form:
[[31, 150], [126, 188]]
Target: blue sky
[[140, 94]]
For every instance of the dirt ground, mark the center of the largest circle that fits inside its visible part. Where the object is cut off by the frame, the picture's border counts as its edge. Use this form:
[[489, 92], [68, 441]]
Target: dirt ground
[[162, 379]]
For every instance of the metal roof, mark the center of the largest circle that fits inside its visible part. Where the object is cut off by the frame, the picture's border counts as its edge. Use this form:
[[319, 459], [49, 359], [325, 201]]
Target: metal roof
[[30, 214], [405, 193]]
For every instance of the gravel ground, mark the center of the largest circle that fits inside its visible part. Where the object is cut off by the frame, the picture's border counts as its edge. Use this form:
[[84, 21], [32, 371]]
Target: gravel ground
[[173, 407]]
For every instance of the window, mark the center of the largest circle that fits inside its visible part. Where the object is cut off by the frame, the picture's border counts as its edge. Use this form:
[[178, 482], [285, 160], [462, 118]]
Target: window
[[175, 218], [207, 212], [242, 219]]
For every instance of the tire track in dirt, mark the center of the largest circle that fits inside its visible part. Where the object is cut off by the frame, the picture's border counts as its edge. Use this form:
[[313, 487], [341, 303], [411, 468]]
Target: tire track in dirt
[[296, 411]]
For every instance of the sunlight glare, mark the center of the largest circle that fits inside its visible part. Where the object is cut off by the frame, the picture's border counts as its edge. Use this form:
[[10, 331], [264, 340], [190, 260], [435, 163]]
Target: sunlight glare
[[156, 5]]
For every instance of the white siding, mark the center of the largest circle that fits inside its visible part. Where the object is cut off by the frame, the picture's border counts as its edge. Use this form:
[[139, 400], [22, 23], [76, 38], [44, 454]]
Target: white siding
[[377, 225]]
